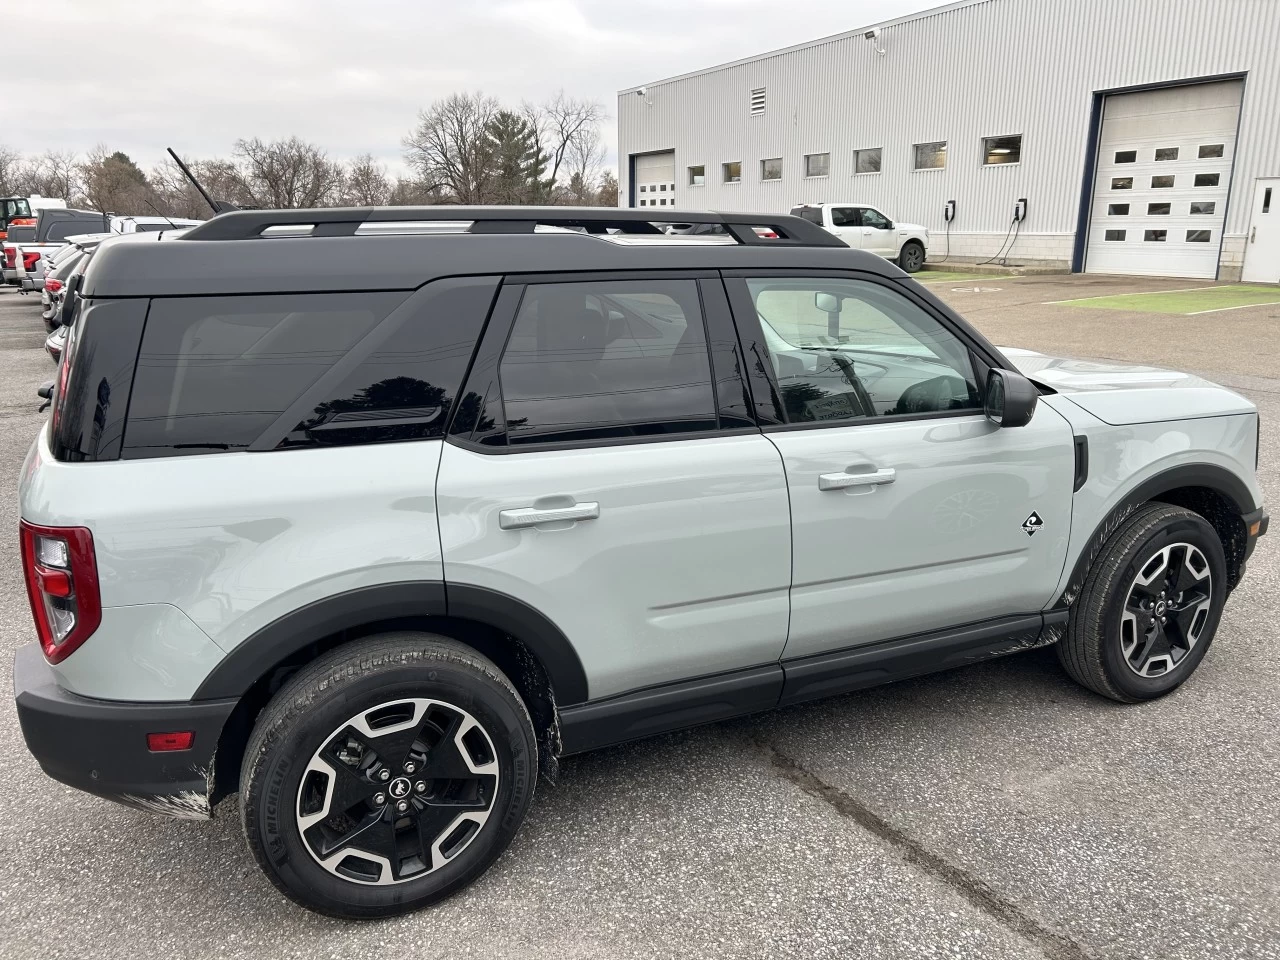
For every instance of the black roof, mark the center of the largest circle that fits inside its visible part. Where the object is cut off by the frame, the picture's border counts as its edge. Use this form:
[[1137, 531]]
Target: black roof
[[358, 249]]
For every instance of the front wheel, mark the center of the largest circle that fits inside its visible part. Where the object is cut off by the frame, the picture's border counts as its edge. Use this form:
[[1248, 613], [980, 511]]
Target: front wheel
[[387, 775], [1149, 606], [911, 256]]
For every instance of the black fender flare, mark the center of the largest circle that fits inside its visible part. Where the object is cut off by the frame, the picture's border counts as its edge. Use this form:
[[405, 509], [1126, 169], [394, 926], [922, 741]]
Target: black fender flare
[[262, 651], [1207, 475]]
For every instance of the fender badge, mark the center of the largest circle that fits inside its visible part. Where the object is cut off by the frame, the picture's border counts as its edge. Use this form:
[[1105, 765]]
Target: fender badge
[[1032, 524]]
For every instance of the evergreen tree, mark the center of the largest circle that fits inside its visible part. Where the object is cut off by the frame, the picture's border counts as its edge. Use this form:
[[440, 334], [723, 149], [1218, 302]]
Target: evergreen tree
[[516, 165]]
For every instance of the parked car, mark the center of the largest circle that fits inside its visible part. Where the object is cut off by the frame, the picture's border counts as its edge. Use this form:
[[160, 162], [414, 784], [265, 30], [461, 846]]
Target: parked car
[[864, 227], [15, 265], [150, 224], [55, 342], [372, 545], [67, 263]]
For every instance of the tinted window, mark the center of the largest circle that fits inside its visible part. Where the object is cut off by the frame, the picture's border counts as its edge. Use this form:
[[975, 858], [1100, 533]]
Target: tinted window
[[72, 228], [851, 350], [22, 234], [845, 217], [607, 359], [812, 214], [403, 386], [214, 372]]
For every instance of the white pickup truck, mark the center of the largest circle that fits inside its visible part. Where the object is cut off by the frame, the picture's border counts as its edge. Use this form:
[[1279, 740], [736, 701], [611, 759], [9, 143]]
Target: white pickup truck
[[863, 227]]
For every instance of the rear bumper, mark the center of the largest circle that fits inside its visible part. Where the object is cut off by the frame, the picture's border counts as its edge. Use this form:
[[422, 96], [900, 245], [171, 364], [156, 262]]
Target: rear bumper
[[100, 746], [32, 283]]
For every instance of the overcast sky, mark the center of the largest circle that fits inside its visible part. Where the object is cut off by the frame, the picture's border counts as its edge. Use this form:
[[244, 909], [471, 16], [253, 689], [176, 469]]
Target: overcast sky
[[140, 75]]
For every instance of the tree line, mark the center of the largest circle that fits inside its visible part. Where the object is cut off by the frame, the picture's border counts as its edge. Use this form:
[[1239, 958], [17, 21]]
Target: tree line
[[466, 148]]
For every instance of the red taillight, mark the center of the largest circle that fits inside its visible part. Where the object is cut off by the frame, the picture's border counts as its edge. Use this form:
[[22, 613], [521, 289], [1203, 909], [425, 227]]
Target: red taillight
[[161, 742], [22, 222], [10, 257], [53, 285], [61, 571], [29, 260]]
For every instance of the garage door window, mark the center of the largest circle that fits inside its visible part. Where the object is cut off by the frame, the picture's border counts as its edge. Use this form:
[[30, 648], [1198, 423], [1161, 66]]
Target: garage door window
[[1198, 236], [600, 360], [1207, 179], [1210, 151], [1122, 183], [1203, 209], [1161, 183], [1114, 235], [1166, 153], [1155, 236], [1117, 210], [1126, 156], [1158, 209]]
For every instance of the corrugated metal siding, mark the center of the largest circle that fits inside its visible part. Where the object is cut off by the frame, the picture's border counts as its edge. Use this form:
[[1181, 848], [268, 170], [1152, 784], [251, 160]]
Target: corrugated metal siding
[[961, 74]]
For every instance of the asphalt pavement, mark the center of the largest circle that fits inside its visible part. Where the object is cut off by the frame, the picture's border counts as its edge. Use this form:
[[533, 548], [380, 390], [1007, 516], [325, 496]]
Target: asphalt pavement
[[997, 811]]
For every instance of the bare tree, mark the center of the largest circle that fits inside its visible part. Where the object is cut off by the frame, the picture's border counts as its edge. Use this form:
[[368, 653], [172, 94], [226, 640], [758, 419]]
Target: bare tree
[[412, 193], [367, 184], [286, 174], [175, 196], [449, 148], [562, 124], [54, 173], [584, 162], [10, 171]]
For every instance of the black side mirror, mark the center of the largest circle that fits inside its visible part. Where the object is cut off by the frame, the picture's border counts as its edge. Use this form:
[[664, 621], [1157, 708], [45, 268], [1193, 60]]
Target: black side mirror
[[69, 299], [1010, 399]]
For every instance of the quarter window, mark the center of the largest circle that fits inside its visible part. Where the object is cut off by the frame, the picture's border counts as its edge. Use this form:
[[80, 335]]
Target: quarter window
[[214, 372], [850, 350], [607, 359], [867, 161]]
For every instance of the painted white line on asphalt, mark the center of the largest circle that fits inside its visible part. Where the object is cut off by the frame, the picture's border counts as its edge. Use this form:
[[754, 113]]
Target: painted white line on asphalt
[[1241, 306], [1140, 293]]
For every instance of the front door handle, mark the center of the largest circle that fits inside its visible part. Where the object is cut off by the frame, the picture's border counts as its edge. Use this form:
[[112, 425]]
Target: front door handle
[[532, 516], [840, 481]]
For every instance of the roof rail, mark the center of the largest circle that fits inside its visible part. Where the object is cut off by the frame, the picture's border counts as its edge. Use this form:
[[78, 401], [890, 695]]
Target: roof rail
[[345, 221]]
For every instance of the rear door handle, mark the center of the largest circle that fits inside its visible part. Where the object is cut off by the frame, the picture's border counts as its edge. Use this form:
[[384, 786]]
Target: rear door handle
[[840, 481], [532, 516]]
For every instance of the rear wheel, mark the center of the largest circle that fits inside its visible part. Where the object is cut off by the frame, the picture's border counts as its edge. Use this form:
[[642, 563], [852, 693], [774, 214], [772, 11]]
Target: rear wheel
[[387, 775], [1149, 606], [911, 256]]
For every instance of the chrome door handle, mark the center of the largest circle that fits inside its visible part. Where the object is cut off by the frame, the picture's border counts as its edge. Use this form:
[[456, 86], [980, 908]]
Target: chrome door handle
[[532, 516], [839, 481]]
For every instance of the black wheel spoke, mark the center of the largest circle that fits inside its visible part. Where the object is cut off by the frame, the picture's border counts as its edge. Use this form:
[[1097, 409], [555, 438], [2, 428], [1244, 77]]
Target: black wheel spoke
[[393, 795]]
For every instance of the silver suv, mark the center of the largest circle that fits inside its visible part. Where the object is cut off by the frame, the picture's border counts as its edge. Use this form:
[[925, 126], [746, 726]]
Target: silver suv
[[373, 546]]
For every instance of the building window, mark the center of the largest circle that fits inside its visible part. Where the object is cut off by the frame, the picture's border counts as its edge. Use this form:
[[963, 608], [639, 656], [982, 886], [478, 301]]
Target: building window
[[642, 188], [1155, 236], [867, 161], [662, 202], [697, 175], [642, 203], [1266, 200], [1126, 156], [1122, 183], [1204, 209], [1198, 236], [997, 150], [817, 164], [1159, 209], [1158, 183], [733, 172], [1117, 210], [1210, 151], [1113, 235], [931, 156], [1166, 153], [771, 169], [1207, 179], [757, 101]]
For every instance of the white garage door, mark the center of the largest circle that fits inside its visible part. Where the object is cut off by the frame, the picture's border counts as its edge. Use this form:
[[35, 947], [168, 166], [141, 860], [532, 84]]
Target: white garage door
[[1164, 171], [656, 180]]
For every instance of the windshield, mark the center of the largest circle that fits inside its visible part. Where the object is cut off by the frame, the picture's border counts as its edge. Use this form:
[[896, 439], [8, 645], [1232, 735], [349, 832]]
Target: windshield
[[17, 207]]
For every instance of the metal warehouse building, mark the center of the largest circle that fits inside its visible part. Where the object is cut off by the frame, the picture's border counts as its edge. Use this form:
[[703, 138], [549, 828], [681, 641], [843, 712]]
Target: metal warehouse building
[[1144, 135]]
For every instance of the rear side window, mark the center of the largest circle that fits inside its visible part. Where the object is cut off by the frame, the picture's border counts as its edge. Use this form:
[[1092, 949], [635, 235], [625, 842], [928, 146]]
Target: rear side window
[[72, 228], [214, 372], [607, 359], [812, 214]]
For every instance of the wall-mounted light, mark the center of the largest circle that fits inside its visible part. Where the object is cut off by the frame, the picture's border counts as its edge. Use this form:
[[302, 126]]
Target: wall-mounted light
[[874, 36]]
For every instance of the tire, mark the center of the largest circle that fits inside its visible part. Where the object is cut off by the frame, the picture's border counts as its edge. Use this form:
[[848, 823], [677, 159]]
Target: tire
[[308, 794], [911, 256], [1114, 645]]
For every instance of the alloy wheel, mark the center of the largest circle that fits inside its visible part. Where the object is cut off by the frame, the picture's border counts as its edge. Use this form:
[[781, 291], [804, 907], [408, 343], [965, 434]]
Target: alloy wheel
[[1165, 610], [397, 791]]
